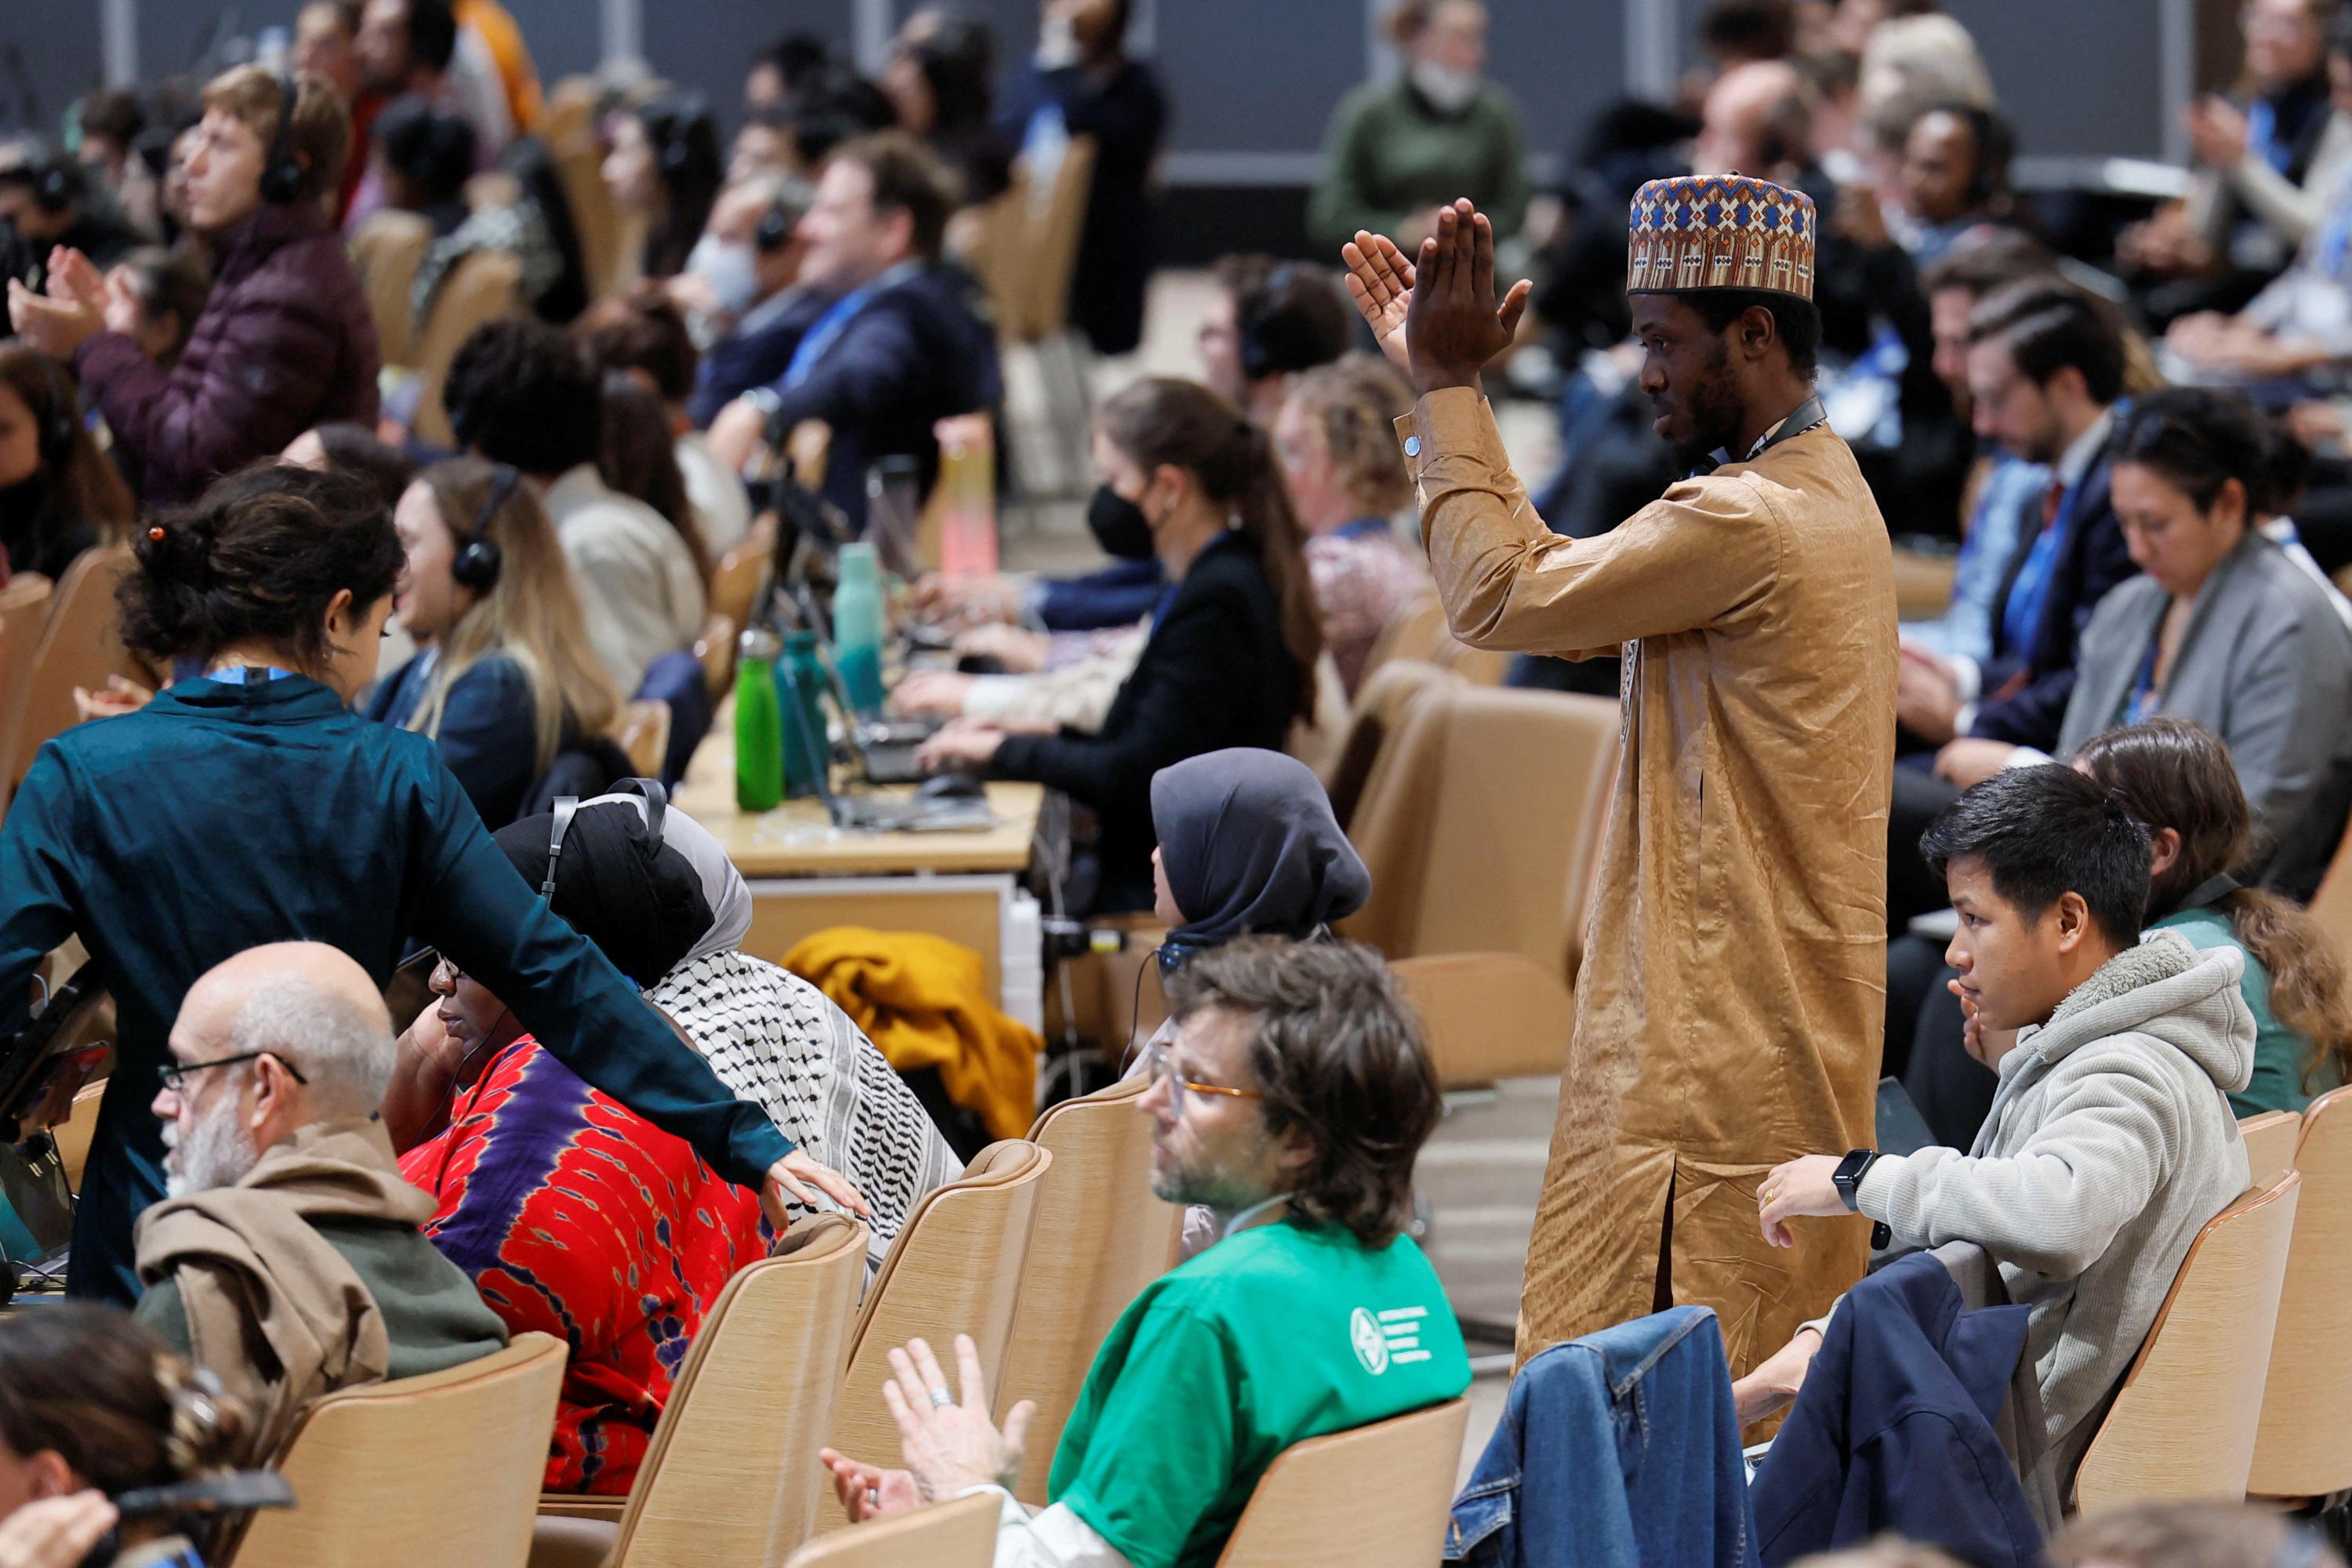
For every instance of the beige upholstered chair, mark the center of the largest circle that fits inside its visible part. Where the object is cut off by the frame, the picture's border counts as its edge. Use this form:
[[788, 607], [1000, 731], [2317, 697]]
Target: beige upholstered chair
[[2270, 1141], [957, 1534], [2303, 1447], [440, 1469], [1376, 1497], [78, 647], [735, 581], [1100, 1237], [1446, 878], [715, 648], [387, 249], [482, 287], [1382, 701], [642, 732], [2331, 906], [732, 1474], [1421, 633], [954, 1268], [2184, 1424], [1489, 1016]]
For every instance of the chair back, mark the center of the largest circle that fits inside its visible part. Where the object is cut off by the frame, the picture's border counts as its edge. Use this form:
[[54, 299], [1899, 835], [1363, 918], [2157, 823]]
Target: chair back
[[735, 581], [1316, 741], [2303, 1447], [959, 1533], [1420, 632], [2183, 1425], [2270, 1141], [1100, 1237], [78, 646], [1313, 1508], [2331, 904], [1469, 762], [642, 730], [482, 287], [1056, 216], [24, 613], [1489, 1016], [387, 249], [715, 648], [440, 1469], [1381, 698], [954, 1268], [732, 1474]]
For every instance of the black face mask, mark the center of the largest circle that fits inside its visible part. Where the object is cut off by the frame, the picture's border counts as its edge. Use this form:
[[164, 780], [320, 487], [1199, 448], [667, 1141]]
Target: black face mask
[[1118, 525]]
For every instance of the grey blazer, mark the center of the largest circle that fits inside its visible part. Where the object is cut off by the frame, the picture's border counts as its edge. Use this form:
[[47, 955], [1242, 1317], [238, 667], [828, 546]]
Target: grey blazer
[[2266, 664]]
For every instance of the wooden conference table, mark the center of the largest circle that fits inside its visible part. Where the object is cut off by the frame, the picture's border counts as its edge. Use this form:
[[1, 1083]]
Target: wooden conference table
[[806, 874]]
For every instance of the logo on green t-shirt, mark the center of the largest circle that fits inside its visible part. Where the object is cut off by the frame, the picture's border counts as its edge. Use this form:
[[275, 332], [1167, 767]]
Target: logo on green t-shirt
[[1391, 1338]]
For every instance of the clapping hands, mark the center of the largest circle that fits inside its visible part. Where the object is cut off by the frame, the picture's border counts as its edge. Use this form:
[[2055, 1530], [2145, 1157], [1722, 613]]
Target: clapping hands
[[1436, 318]]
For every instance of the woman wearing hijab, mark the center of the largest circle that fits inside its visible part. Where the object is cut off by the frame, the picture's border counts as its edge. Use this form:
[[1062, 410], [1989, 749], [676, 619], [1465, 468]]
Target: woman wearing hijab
[[671, 914], [1248, 846]]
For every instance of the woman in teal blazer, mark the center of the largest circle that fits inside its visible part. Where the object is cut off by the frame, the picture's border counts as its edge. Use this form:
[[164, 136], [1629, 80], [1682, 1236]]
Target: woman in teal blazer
[[251, 805]]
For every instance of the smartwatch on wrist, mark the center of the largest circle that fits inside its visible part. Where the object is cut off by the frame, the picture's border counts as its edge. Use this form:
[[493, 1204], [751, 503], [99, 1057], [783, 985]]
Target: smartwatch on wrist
[[1847, 1180]]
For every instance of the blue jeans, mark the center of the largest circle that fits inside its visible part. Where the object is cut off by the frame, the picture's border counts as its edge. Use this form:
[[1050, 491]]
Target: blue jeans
[[1617, 1450]]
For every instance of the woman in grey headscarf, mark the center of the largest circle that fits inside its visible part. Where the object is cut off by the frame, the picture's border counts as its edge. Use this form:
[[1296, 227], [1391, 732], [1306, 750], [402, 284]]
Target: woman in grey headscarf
[[770, 1036]]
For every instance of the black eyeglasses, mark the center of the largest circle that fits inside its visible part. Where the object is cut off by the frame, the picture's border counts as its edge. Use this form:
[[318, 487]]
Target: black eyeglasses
[[175, 1074]]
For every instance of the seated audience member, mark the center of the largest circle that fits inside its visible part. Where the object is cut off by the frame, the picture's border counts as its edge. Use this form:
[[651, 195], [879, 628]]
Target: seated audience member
[[1081, 82], [1397, 151], [2268, 170], [887, 341], [284, 342], [664, 171], [1292, 1102], [526, 394], [153, 297], [286, 1259], [93, 1404], [1270, 321], [646, 338], [571, 1215], [520, 210], [276, 589], [738, 285], [2006, 487], [772, 1037], [2222, 627], [326, 44], [2190, 1535], [941, 82], [58, 494], [506, 677], [1231, 659], [1954, 176], [639, 459], [423, 156], [1338, 453], [2111, 1140], [353, 449], [412, 47], [108, 121], [45, 204]]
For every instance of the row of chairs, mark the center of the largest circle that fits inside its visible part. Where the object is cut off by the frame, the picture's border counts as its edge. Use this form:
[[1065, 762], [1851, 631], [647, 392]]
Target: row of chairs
[[55, 636]]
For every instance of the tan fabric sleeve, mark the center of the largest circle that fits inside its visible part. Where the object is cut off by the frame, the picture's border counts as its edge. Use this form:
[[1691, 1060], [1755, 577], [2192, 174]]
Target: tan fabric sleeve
[[1705, 550]]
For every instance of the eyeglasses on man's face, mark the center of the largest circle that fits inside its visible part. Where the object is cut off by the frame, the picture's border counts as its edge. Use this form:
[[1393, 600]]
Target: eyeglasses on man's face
[[175, 1075], [1158, 1062]]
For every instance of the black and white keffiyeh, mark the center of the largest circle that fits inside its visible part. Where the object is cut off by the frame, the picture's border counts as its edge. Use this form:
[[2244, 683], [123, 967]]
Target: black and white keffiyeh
[[777, 1040]]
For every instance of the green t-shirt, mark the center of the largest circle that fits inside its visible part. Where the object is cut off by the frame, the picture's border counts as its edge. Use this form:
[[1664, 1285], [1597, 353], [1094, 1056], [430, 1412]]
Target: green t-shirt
[[2279, 1052], [1282, 1332]]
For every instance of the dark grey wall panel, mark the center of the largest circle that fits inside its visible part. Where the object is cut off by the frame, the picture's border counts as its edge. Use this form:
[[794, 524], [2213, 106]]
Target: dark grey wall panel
[[48, 55], [1257, 76], [707, 45], [1564, 60], [2079, 80]]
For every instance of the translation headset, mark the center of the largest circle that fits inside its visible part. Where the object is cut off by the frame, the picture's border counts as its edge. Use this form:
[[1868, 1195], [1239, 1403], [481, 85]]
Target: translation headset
[[1273, 337], [478, 557], [657, 804], [281, 174], [1995, 145], [776, 225], [57, 185]]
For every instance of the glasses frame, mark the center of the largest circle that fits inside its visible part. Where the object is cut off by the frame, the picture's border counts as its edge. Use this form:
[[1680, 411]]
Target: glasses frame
[[1159, 1063], [174, 1075]]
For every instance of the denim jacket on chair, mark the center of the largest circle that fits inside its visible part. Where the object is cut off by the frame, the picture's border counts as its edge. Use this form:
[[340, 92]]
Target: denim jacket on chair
[[1616, 1450]]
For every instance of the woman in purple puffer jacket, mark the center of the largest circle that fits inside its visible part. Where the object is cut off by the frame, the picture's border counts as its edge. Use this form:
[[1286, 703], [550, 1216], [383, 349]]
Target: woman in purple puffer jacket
[[285, 342]]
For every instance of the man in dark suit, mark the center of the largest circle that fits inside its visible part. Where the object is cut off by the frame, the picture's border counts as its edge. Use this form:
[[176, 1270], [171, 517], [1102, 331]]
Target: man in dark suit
[[2046, 373], [888, 339]]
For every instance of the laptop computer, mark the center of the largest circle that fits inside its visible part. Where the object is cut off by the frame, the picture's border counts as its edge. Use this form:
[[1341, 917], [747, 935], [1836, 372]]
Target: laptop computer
[[951, 814]]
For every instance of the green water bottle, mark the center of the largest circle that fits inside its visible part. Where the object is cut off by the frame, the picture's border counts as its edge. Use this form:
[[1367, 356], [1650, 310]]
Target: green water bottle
[[759, 723], [800, 692], [857, 626]]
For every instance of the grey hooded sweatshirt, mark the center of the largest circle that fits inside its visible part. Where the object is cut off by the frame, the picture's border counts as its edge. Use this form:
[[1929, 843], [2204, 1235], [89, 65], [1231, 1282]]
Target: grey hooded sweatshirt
[[2109, 1145]]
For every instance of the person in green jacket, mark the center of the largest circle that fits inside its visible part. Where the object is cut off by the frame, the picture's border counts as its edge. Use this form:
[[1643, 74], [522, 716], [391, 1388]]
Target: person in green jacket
[[1397, 151], [2175, 775], [249, 804], [1292, 1100]]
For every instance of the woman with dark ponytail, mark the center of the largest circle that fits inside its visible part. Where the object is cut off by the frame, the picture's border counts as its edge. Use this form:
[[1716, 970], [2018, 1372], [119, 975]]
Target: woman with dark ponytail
[[249, 804], [1231, 656], [2176, 776], [91, 1406]]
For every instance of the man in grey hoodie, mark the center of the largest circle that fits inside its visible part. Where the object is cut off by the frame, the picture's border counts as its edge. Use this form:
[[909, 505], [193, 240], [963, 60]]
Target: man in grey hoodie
[[2111, 1140]]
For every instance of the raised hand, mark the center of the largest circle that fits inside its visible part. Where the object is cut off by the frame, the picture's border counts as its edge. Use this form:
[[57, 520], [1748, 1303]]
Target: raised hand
[[1452, 324], [1379, 279]]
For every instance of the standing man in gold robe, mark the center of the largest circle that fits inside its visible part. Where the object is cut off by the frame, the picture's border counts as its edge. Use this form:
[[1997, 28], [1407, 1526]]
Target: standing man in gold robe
[[1729, 1007]]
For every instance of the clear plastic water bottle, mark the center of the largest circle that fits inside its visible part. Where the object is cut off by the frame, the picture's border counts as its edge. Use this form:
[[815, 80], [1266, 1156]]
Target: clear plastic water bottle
[[857, 626], [759, 723]]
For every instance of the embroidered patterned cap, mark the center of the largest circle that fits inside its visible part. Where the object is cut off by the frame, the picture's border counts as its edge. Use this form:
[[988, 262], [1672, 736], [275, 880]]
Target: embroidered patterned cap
[[1720, 231]]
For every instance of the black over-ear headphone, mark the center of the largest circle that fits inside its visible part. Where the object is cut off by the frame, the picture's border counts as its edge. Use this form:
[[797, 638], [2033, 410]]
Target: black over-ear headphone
[[657, 803], [775, 230], [478, 557], [281, 175], [1995, 145], [57, 185]]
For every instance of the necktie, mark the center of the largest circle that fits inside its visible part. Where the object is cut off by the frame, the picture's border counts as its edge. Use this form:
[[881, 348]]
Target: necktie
[[2051, 500]]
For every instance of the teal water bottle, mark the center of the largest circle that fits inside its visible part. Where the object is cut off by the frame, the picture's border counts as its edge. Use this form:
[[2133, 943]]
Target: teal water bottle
[[800, 692], [857, 626], [759, 723]]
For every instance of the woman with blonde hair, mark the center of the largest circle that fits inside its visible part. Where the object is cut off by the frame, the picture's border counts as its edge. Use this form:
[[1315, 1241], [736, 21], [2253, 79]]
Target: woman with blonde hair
[[506, 677]]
